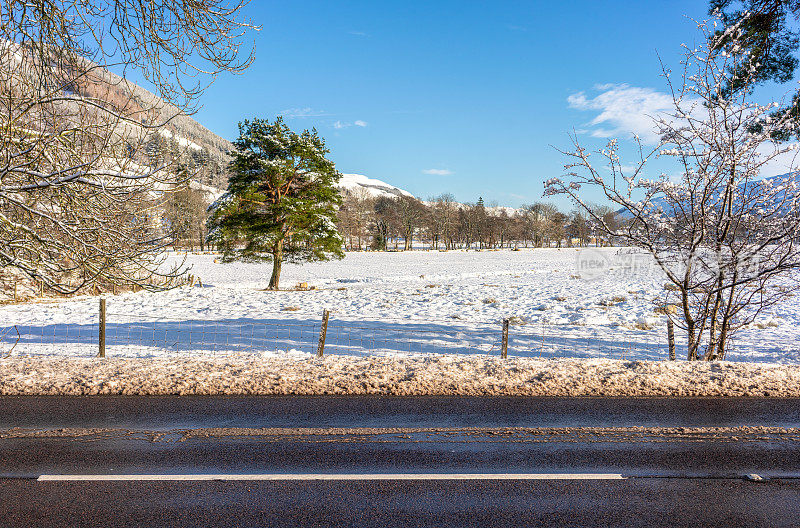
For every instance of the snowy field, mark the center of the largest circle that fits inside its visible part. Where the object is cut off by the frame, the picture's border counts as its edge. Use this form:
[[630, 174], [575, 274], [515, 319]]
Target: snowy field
[[384, 304]]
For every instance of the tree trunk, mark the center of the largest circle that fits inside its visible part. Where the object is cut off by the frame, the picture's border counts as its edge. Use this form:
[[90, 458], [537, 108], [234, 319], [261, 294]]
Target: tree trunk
[[277, 260]]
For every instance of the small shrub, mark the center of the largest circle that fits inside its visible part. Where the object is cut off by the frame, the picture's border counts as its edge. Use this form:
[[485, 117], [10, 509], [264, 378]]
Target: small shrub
[[667, 309], [489, 300], [671, 287], [290, 308], [612, 301], [516, 320], [763, 325]]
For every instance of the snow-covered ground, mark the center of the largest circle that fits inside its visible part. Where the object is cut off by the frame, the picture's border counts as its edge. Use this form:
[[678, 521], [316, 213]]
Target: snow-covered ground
[[394, 303]]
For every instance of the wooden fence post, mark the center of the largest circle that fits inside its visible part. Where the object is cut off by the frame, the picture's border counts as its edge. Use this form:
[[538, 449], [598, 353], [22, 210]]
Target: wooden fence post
[[671, 339], [504, 351], [323, 331], [102, 328]]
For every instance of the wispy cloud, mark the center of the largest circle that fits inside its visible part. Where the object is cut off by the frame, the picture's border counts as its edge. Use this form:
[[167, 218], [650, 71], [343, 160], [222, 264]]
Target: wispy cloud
[[358, 33], [623, 110], [512, 27], [300, 113], [346, 124], [437, 172]]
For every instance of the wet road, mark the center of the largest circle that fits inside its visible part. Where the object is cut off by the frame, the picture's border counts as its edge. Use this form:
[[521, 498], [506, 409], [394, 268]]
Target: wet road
[[682, 462]]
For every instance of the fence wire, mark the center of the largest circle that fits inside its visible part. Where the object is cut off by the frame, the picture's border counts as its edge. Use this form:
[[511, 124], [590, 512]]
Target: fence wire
[[146, 336]]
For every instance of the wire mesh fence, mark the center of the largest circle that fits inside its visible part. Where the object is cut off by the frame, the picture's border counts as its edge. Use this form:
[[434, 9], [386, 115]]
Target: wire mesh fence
[[128, 335]]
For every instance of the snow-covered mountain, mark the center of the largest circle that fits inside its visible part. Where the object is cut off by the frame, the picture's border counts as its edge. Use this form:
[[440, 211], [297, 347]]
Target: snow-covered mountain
[[376, 188]]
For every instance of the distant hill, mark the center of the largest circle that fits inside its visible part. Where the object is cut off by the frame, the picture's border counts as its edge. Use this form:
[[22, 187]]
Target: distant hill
[[791, 178], [181, 136]]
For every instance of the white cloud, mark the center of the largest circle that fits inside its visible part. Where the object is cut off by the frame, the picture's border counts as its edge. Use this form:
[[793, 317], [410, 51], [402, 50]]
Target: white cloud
[[623, 110], [346, 124], [437, 172], [295, 113], [781, 164], [358, 33]]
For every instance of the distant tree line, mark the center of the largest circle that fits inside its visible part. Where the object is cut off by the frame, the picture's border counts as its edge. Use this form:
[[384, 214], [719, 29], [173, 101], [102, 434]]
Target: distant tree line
[[394, 223]]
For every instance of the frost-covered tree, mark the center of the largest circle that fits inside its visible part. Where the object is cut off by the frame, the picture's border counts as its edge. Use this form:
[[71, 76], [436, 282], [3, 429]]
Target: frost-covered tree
[[725, 237], [281, 200], [78, 195]]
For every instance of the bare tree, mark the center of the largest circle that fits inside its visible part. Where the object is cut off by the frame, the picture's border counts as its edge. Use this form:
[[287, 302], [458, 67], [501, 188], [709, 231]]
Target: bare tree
[[386, 223], [79, 200], [185, 215], [354, 217], [578, 227], [411, 213], [542, 223], [446, 208], [725, 238]]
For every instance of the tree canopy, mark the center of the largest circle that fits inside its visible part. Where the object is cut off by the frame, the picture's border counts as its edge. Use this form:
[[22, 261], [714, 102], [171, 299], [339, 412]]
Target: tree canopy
[[763, 34]]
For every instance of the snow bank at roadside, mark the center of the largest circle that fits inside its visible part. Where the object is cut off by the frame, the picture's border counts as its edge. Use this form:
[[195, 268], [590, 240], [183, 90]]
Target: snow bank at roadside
[[395, 375]]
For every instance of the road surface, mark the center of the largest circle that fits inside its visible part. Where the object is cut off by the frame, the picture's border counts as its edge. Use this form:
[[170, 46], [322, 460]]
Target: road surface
[[392, 461]]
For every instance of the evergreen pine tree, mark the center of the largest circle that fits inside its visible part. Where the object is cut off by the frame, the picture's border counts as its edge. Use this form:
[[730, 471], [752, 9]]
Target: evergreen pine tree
[[281, 200]]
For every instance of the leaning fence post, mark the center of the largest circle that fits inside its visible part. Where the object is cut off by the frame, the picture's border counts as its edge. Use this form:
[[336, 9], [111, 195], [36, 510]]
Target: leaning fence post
[[102, 326], [671, 339], [323, 331], [504, 350]]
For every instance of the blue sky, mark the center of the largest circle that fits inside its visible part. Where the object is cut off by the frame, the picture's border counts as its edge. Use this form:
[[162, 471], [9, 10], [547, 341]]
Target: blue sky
[[461, 97]]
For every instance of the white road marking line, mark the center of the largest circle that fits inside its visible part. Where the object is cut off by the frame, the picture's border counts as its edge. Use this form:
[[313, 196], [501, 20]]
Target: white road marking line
[[352, 476]]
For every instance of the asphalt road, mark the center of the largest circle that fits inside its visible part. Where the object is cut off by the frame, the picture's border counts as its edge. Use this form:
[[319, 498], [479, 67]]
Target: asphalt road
[[682, 461]]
